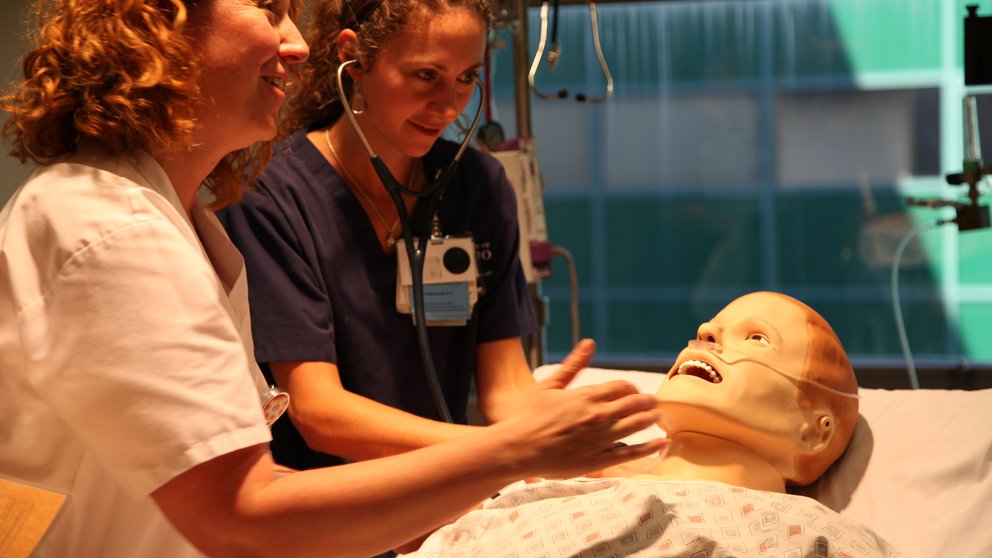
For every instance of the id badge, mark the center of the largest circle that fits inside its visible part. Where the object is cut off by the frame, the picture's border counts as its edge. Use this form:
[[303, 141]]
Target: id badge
[[450, 281]]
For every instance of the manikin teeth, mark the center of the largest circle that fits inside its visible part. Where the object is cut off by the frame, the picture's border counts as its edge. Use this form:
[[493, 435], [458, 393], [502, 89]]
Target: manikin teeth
[[699, 369]]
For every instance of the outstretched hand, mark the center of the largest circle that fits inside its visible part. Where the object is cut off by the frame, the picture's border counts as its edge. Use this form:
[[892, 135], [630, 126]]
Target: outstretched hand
[[560, 433], [579, 358]]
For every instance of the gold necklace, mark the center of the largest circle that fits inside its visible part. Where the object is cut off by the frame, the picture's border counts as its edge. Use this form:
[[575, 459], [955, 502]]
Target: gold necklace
[[390, 235]]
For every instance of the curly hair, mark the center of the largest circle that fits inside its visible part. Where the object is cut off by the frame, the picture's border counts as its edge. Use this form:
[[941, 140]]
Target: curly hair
[[121, 72], [314, 96]]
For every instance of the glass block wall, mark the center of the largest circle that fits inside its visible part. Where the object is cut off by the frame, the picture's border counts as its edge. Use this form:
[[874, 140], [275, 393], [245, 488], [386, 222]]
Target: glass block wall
[[765, 144]]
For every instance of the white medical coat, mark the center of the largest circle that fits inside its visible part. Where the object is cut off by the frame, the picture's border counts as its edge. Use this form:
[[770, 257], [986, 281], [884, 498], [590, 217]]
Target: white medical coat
[[124, 350]]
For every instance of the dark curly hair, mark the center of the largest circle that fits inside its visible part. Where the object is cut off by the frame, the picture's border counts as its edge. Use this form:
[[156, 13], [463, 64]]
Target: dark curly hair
[[120, 72], [314, 96]]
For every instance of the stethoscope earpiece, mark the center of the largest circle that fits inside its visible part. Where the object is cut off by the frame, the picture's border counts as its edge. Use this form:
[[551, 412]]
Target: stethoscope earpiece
[[555, 53]]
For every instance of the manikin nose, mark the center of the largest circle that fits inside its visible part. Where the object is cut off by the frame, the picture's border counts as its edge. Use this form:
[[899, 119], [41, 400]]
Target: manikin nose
[[708, 332]]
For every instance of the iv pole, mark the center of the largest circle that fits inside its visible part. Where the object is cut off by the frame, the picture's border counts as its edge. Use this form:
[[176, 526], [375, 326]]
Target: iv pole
[[533, 343]]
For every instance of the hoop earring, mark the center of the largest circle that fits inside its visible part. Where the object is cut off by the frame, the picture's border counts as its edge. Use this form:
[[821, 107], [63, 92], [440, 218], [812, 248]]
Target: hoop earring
[[358, 101]]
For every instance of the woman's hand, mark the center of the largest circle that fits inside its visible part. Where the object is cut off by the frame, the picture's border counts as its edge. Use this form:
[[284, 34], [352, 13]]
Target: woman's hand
[[560, 433]]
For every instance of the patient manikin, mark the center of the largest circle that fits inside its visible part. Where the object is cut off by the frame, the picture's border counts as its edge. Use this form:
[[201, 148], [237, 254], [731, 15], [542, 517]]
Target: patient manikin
[[763, 398]]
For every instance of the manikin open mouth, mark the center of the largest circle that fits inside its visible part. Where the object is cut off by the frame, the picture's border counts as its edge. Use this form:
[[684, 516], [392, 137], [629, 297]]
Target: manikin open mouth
[[700, 370]]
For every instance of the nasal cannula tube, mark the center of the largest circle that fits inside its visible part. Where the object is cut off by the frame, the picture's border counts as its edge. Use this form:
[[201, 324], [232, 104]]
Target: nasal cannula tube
[[717, 350]]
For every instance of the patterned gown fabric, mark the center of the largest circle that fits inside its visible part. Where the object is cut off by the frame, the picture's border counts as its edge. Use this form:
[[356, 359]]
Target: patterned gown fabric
[[651, 518]]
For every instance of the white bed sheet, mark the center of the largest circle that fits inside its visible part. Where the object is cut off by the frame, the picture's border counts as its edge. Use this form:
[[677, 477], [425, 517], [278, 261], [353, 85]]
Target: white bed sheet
[[918, 470]]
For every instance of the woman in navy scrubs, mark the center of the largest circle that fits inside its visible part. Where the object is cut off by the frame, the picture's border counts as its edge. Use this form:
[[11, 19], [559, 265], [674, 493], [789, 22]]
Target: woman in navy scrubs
[[319, 234]]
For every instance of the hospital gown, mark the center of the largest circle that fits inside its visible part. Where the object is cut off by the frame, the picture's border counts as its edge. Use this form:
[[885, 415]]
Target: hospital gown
[[650, 518]]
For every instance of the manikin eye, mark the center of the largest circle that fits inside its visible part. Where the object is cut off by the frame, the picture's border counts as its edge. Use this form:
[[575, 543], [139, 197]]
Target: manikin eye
[[759, 338]]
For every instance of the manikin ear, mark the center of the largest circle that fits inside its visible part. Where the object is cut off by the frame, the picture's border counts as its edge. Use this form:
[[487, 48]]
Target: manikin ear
[[816, 434]]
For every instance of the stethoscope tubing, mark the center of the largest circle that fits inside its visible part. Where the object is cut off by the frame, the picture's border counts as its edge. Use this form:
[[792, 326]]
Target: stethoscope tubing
[[416, 254]]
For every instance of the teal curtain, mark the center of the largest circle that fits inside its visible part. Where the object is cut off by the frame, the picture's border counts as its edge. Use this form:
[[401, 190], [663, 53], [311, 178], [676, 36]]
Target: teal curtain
[[758, 145]]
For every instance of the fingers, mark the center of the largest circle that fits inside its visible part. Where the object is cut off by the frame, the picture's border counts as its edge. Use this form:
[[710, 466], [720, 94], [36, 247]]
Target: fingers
[[572, 432], [607, 391], [609, 410], [579, 358], [619, 418], [633, 423]]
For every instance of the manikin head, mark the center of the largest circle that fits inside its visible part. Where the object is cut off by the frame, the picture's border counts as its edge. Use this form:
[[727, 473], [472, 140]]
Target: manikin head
[[769, 374]]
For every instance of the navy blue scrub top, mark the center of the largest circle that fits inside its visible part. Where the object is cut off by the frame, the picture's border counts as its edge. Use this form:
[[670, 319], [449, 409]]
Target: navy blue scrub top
[[322, 289]]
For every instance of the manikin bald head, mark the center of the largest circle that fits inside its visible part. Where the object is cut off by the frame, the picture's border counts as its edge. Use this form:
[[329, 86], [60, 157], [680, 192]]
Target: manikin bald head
[[767, 373]]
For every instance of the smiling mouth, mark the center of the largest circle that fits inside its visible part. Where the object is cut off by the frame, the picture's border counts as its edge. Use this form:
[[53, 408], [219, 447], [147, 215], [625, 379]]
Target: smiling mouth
[[698, 369], [275, 82], [431, 130]]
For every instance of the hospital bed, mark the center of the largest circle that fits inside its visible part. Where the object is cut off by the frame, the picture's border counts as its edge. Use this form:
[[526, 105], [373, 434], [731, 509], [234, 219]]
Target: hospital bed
[[918, 470]]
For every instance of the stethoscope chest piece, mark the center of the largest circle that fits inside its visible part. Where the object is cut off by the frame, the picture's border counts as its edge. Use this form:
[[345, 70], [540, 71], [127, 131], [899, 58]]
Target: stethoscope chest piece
[[274, 404]]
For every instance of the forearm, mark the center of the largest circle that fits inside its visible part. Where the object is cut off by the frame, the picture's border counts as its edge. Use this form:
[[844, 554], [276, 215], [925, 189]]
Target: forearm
[[336, 421], [380, 509], [358, 428], [503, 378], [359, 509], [497, 406]]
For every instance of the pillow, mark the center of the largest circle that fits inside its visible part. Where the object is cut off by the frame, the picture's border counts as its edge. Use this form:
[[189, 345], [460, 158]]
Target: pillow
[[918, 471]]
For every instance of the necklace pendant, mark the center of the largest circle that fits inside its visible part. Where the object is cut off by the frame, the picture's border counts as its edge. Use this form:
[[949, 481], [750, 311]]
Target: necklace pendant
[[390, 240]]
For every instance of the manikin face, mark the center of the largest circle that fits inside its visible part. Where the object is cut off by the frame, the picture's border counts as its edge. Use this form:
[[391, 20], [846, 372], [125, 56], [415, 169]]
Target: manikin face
[[421, 80], [244, 48], [744, 393]]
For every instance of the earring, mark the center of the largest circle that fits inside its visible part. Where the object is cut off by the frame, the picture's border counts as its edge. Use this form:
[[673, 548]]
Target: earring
[[358, 101]]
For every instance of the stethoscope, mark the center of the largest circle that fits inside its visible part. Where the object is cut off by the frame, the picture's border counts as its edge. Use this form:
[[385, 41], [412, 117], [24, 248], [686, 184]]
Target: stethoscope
[[555, 53], [433, 191]]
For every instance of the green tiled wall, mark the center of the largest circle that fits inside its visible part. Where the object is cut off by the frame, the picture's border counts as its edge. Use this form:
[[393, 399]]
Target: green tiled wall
[[973, 261], [654, 260], [711, 250], [718, 41], [833, 242], [868, 331], [974, 330], [848, 37]]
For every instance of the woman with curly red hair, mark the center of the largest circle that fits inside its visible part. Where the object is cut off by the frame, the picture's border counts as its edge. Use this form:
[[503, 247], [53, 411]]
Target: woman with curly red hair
[[127, 382]]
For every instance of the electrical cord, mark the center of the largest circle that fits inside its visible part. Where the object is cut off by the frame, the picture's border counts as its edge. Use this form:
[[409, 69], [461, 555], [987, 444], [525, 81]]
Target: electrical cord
[[574, 283], [914, 381]]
